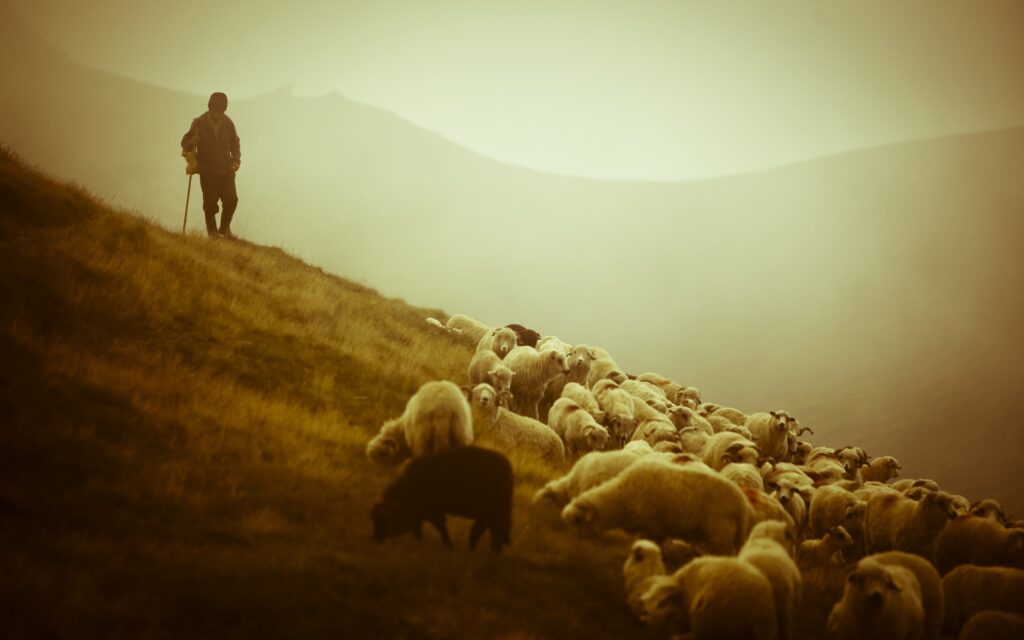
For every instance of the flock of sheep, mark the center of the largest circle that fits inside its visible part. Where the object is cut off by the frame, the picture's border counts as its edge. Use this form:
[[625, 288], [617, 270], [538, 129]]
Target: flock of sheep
[[736, 516]]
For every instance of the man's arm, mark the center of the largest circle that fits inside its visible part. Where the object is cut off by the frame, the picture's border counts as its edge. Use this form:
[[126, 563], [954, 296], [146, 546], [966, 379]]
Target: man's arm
[[236, 148], [188, 141]]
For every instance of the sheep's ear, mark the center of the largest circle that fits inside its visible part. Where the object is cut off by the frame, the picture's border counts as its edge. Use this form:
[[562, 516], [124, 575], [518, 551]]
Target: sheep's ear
[[773, 414], [638, 554], [467, 391], [892, 585], [593, 356]]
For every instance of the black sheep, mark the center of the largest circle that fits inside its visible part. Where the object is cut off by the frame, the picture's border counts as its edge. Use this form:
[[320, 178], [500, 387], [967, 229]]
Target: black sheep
[[524, 337], [464, 481]]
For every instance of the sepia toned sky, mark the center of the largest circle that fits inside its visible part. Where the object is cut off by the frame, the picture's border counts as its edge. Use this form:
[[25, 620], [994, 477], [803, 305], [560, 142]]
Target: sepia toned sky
[[619, 89]]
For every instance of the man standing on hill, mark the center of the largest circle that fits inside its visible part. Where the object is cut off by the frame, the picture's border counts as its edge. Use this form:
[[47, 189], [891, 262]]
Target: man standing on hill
[[214, 141]]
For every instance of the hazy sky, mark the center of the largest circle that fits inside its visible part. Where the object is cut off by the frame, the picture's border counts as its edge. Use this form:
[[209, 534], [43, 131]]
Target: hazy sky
[[635, 89]]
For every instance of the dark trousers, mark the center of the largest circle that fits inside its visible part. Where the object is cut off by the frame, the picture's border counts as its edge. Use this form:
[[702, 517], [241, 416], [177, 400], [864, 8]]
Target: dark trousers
[[218, 187]]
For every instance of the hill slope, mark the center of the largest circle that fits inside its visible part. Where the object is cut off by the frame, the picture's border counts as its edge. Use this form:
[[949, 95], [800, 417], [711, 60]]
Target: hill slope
[[183, 448]]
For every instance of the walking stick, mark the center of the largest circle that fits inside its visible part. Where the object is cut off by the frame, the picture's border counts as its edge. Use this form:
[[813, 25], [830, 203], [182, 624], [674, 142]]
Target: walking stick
[[188, 194]]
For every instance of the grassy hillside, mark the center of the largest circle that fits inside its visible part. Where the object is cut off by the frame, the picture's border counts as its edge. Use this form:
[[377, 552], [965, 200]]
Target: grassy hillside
[[184, 424]]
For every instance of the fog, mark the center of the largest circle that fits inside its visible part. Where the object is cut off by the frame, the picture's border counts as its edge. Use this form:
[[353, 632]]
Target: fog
[[875, 294]]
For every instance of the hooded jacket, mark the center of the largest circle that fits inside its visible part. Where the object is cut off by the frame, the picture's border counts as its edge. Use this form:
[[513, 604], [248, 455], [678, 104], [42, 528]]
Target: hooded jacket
[[217, 147]]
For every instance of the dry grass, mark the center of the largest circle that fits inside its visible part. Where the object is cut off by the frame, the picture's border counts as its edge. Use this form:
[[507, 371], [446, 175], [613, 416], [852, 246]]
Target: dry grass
[[184, 424]]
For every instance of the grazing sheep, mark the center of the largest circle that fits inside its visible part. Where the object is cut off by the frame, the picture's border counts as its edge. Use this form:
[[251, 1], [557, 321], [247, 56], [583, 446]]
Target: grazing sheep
[[524, 337], [593, 469], [712, 597], [744, 475], [928, 581], [834, 506], [511, 431], [684, 417], [825, 551], [769, 431], [726, 447], [436, 417], [993, 625], [643, 563], [576, 427], [773, 560], [500, 341], [532, 370], [389, 446], [472, 329], [979, 541], [583, 397], [734, 416], [969, 590], [467, 481], [656, 431], [880, 601], [663, 500], [882, 469], [486, 366], [895, 522]]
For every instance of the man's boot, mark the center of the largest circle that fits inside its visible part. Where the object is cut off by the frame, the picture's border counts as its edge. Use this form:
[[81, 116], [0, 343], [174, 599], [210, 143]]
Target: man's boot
[[211, 224]]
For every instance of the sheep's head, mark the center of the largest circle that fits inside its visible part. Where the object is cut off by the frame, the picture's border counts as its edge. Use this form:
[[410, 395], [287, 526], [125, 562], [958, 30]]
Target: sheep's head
[[870, 585], [579, 512], [853, 516], [988, 508], [617, 376], [504, 341], [742, 452], [391, 518], [580, 357], [597, 437], [707, 408], [940, 505], [501, 377], [556, 361], [644, 559], [841, 537], [384, 449], [662, 606], [681, 416]]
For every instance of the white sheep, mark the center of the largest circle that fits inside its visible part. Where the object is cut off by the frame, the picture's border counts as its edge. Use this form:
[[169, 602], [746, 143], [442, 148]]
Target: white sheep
[[969, 589], [712, 597], [726, 447], [582, 396], [389, 445], [576, 427], [688, 397], [834, 506], [880, 601], [825, 551], [664, 500], [792, 495], [993, 625], [684, 417], [823, 465], [578, 358], [512, 432], [639, 447], [881, 469], [486, 366], [656, 430], [469, 327], [743, 475], [852, 459], [988, 508], [436, 417], [734, 416], [501, 341], [707, 408], [929, 583], [773, 559], [602, 367], [895, 522], [549, 343], [643, 563], [591, 470], [980, 541], [693, 440], [671, 389], [531, 371], [769, 431], [619, 413]]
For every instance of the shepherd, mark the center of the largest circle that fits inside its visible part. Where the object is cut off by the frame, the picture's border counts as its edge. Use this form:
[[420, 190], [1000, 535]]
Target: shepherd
[[212, 150]]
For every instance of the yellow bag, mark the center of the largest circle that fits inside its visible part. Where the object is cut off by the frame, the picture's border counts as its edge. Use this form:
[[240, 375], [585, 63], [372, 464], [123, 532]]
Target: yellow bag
[[191, 163]]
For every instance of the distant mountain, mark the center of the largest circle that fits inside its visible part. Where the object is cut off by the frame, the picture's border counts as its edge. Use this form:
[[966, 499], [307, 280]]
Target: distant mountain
[[877, 295]]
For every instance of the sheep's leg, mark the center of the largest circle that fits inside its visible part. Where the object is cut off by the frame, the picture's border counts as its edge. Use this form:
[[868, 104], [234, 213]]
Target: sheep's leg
[[477, 532], [442, 528]]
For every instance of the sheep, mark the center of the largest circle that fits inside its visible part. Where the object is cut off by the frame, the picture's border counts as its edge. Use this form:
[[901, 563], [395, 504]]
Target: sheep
[[688, 397], [670, 388], [896, 522], [882, 601], [823, 465], [684, 417], [707, 408], [882, 469], [602, 367], [511, 431], [656, 431], [583, 397], [664, 500], [764, 551], [835, 506], [643, 412], [743, 475], [500, 341], [769, 431], [644, 390], [799, 451], [723, 448], [436, 417], [968, 590], [389, 446], [712, 597], [693, 440], [677, 553], [825, 551], [524, 337], [993, 625], [908, 483], [643, 563], [852, 458], [531, 371], [576, 427], [639, 447], [466, 481], [928, 581], [720, 424], [578, 359], [591, 470], [548, 343], [980, 541], [486, 366], [768, 508], [790, 495], [988, 508], [734, 416], [619, 413], [469, 327]]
